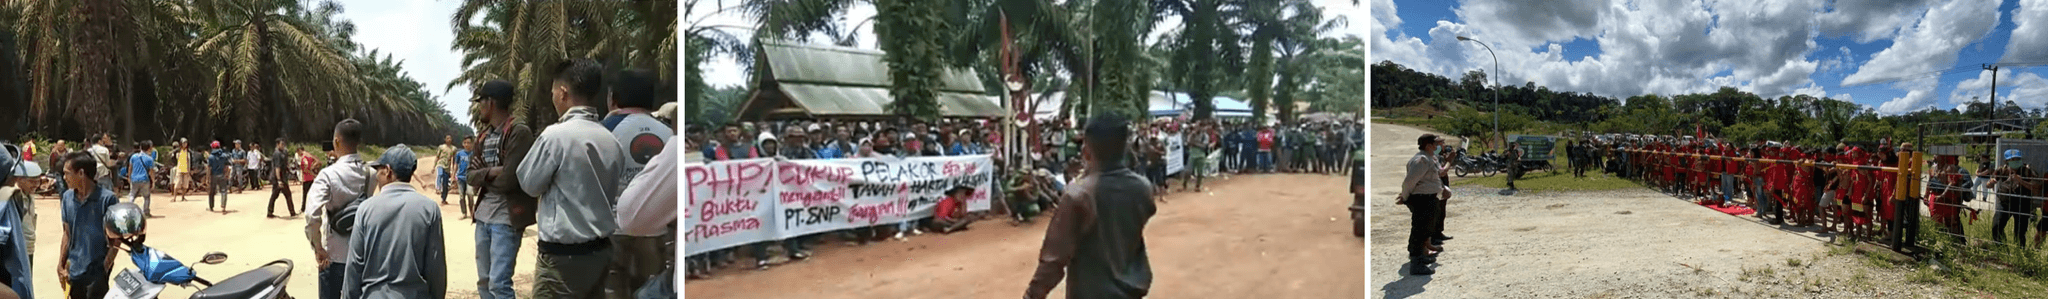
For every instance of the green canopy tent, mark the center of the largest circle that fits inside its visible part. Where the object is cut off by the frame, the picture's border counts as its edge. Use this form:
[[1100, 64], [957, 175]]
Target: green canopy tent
[[824, 81]]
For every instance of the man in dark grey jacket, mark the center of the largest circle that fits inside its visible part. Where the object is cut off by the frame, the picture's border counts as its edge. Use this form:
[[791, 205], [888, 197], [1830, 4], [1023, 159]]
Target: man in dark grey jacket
[[1096, 241], [396, 250]]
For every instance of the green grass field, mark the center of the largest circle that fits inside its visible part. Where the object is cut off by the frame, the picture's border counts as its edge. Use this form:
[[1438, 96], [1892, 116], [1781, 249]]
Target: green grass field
[[1992, 269], [1547, 181]]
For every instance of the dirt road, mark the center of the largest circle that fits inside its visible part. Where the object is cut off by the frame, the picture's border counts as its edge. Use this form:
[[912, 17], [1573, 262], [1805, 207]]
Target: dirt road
[[1258, 236], [187, 232], [1626, 243]]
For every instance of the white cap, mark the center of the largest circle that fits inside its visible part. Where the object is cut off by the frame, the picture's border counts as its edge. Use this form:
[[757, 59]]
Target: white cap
[[667, 111]]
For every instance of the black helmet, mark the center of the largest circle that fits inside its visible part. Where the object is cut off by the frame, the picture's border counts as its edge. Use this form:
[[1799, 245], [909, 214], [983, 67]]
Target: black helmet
[[125, 220]]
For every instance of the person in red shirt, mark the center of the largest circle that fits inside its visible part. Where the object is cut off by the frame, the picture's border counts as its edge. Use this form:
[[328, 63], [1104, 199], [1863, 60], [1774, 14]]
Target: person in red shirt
[[1779, 176], [1947, 195], [308, 168], [952, 214], [1266, 149]]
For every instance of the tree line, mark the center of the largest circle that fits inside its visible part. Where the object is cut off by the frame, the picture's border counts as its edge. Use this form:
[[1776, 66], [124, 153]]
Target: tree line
[[1728, 112], [1273, 52]]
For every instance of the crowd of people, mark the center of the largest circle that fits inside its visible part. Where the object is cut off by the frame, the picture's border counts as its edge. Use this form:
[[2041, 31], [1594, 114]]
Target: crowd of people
[[598, 185], [1847, 188]]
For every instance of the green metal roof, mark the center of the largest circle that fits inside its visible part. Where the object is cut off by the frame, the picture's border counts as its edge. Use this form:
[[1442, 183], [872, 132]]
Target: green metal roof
[[828, 80]]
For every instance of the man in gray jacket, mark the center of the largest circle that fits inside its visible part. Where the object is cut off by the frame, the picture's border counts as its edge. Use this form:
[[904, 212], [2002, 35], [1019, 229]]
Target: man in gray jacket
[[397, 245], [335, 186], [574, 167]]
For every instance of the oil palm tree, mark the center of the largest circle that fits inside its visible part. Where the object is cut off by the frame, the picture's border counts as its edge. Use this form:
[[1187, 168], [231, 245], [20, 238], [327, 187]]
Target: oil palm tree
[[266, 57], [1205, 49], [522, 41], [1290, 25]]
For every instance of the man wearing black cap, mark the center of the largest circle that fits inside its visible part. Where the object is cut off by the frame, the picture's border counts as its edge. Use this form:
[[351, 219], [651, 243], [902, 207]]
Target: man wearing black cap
[[503, 210], [1096, 241], [396, 249], [1424, 191], [574, 167]]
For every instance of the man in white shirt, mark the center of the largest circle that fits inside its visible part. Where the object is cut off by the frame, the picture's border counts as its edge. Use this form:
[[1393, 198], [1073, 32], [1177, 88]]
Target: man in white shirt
[[106, 158], [254, 173], [341, 182]]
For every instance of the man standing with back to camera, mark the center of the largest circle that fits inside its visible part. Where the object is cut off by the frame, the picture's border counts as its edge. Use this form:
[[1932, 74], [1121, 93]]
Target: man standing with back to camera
[[1096, 241]]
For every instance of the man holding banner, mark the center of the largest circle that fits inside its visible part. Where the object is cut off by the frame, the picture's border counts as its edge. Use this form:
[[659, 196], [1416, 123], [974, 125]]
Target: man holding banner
[[1096, 240]]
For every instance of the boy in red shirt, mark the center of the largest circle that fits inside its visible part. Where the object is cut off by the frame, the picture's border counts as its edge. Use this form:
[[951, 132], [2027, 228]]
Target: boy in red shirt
[[952, 215]]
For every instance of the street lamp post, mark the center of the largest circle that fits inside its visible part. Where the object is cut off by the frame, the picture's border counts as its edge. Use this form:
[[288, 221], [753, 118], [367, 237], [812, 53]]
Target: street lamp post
[[1495, 76]]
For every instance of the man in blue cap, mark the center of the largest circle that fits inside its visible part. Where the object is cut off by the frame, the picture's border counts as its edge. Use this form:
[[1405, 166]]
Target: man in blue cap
[[17, 220], [2014, 181], [396, 250]]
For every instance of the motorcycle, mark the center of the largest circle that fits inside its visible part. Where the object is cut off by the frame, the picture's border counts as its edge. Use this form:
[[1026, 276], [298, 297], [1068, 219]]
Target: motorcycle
[[154, 269], [1485, 164]]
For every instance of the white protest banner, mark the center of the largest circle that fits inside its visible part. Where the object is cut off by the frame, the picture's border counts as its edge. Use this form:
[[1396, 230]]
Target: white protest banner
[[729, 204], [826, 195], [782, 199], [1176, 153]]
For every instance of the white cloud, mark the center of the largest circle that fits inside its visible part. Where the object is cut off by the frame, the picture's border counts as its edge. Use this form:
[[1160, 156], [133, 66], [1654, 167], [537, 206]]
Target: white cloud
[[1931, 44], [1869, 21], [2029, 35], [1523, 24], [1389, 44], [1919, 95], [2027, 89]]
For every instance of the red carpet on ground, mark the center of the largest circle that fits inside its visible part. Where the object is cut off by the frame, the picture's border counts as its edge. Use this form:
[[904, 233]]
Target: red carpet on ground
[[1731, 210]]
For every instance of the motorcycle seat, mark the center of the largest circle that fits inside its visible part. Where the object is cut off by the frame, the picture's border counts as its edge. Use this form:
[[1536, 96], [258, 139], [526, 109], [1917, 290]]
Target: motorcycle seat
[[249, 284]]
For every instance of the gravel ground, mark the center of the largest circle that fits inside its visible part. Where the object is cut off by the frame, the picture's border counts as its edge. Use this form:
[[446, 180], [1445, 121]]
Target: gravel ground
[[1631, 243]]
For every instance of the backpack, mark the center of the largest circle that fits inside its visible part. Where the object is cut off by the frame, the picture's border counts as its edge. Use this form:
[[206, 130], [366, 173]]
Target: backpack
[[343, 220]]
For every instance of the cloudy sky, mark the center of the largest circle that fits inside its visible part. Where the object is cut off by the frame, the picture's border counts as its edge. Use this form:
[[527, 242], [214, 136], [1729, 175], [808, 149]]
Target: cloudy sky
[[1894, 56], [726, 72], [418, 33]]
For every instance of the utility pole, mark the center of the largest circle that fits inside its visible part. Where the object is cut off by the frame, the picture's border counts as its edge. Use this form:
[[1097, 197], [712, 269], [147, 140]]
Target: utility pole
[[1994, 89]]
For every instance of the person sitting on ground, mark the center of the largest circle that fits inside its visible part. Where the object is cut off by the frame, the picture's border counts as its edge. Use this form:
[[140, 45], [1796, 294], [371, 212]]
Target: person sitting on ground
[[952, 214]]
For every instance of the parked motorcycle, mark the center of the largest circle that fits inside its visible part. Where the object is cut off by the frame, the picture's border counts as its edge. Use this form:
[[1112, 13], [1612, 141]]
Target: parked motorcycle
[[1485, 164], [155, 269]]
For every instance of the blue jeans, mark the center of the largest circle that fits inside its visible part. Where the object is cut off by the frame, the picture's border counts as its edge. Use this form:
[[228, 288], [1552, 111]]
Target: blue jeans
[[1728, 187], [497, 252], [1266, 160], [441, 182], [330, 281]]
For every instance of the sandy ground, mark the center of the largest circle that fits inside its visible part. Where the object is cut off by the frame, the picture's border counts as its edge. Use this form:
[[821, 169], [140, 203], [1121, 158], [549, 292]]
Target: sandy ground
[[187, 232], [1257, 236], [1622, 243]]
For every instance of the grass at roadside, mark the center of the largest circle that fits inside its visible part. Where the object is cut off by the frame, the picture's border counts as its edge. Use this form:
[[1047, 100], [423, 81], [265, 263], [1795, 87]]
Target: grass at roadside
[[1986, 269], [1547, 181]]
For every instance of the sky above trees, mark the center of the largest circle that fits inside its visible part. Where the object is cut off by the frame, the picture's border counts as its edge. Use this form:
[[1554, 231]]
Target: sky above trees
[[1894, 56]]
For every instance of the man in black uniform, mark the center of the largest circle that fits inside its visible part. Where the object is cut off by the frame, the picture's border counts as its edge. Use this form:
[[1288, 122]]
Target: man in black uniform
[[1096, 241]]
